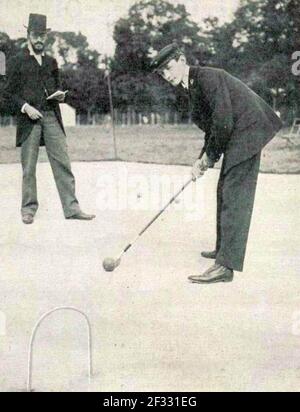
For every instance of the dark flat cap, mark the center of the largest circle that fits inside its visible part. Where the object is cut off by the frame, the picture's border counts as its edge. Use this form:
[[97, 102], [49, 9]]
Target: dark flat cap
[[165, 55]]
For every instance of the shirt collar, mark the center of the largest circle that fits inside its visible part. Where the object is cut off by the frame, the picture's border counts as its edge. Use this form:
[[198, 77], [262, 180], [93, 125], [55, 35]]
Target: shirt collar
[[185, 80], [32, 53]]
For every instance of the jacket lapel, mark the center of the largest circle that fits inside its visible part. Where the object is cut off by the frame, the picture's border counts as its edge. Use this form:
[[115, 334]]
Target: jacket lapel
[[188, 91], [199, 105], [192, 78]]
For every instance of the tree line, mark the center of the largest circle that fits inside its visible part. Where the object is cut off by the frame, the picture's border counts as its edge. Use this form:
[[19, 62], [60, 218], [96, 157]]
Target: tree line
[[256, 46]]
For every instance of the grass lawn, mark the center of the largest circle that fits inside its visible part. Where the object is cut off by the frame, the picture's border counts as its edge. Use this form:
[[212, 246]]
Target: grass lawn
[[150, 144], [152, 329]]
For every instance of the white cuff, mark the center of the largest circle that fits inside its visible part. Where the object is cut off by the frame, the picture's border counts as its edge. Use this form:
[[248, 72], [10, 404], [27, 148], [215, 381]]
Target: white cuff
[[23, 107]]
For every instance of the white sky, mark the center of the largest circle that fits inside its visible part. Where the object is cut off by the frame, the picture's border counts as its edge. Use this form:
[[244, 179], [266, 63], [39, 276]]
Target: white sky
[[95, 18]]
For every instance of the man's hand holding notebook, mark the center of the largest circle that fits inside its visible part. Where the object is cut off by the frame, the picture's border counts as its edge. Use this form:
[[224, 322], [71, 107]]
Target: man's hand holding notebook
[[58, 95]]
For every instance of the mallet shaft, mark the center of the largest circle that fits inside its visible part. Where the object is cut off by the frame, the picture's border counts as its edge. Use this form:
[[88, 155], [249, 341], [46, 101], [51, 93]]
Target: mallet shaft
[[155, 217]]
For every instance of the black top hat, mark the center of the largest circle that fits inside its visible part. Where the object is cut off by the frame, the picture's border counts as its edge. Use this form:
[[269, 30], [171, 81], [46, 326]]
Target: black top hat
[[38, 23]]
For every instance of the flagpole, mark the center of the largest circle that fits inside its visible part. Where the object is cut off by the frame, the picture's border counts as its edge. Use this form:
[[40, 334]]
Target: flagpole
[[112, 112]]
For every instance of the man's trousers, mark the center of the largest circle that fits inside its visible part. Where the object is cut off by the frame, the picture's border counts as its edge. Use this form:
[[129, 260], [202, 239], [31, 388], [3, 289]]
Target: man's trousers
[[235, 199], [56, 147]]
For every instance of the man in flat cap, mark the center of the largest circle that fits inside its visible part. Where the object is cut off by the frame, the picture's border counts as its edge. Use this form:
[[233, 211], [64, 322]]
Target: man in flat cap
[[32, 78], [237, 124]]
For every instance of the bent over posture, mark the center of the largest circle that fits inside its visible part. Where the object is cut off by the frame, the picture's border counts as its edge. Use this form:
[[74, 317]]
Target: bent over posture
[[238, 124]]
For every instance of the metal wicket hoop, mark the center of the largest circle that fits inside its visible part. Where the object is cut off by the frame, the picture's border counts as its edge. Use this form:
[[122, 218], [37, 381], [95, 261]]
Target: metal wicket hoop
[[33, 335]]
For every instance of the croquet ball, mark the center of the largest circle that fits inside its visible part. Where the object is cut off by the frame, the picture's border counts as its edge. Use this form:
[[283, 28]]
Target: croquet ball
[[109, 264]]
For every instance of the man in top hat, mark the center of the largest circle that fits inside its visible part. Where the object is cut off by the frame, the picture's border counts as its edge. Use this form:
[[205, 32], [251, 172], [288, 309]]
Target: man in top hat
[[32, 78], [237, 124]]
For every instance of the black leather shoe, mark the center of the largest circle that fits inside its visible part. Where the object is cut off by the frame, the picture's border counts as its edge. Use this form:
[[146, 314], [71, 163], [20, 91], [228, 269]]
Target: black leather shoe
[[82, 216], [209, 255], [216, 273], [27, 219]]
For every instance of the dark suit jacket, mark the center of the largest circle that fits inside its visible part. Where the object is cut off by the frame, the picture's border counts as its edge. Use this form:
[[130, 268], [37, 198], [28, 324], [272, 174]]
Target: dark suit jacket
[[26, 83], [236, 121]]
